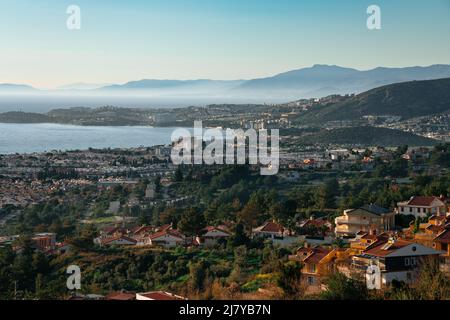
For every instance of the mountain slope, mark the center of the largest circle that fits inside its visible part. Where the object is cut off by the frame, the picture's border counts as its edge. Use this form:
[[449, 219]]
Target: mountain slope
[[15, 88], [321, 80], [407, 100]]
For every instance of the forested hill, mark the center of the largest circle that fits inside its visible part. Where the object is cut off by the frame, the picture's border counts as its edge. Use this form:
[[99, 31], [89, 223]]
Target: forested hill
[[407, 100]]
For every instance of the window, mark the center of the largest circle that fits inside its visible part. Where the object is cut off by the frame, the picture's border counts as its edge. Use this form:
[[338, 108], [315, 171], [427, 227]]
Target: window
[[402, 209], [312, 268], [407, 262], [410, 209], [311, 281]]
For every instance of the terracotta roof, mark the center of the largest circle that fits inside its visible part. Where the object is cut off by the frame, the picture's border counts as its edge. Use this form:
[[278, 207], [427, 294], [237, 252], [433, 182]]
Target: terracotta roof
[[422, 201], [121, 296], [316, 222], [444, 236], [161, 295], [142, 229], [270, 227], [211, 228], [383, 248], [173, 233], [435, 229], [164, 227], [313, 255]]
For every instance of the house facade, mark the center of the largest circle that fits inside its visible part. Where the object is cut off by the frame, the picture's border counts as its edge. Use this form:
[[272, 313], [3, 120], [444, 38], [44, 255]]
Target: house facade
[[421, 207], [394, 259], [166, 239], [271, 230], [318, 263], [211, 236], [366, 218]]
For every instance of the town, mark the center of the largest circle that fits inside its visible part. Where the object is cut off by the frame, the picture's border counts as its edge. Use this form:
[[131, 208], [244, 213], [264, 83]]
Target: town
[[141, 228]]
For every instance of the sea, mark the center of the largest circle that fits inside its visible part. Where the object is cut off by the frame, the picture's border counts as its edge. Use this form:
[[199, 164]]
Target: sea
[[44, 137]]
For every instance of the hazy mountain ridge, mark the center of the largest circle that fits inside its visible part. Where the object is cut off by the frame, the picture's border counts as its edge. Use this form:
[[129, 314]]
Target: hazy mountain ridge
[[315, 81], [321, 80]]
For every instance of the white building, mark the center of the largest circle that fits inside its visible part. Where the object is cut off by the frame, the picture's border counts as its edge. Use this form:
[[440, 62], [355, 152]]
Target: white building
[[422, 206]]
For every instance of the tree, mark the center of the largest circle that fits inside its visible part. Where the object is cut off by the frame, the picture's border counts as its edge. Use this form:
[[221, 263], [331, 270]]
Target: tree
[[239, 237], [191, 222], [238, 275], [339, 287], [432, 284], [327, 194], [40, 263], [178, 176], [249, 215], [197, 275], [289, 279]]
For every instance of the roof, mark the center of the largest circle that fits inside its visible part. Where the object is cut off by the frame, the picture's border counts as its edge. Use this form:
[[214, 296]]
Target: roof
[[270, 227], [164, 227], [121, 295], [161, 295], [375, 209], [435, 229], [211, 228], [172, 233], [384, 248], [369, 236], [142, 229], [444, 236], [313, 255], [421, 201]]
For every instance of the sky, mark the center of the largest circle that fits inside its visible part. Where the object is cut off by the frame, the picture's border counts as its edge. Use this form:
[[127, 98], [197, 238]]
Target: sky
[[120, 41]]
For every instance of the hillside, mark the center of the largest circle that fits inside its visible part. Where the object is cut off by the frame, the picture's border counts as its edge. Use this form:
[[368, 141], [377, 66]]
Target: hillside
[[24, 117], [366, 136], [407, 100]]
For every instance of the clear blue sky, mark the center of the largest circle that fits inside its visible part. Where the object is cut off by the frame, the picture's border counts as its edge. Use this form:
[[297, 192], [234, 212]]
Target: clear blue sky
[[218, 39]]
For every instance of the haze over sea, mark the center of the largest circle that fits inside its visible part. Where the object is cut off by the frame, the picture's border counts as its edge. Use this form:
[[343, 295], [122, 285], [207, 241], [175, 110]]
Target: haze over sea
[[28, 138]]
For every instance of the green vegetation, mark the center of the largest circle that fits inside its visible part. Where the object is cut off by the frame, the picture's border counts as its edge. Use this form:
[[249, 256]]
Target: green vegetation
[[407, 100]]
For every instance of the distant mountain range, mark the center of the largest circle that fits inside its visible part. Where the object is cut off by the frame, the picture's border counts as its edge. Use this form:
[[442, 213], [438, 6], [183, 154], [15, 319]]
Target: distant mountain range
[[315, 81], [406, 100], [13, 88], [322, 80]]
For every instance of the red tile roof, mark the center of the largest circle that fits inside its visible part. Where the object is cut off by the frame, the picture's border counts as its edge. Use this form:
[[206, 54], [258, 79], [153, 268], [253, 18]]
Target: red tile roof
[[161, 295], [313, 255], [142, 229], [422, 201], [382, 249], [270, 227], [121, 296], [211, 228], [444, 236], [173, 233]]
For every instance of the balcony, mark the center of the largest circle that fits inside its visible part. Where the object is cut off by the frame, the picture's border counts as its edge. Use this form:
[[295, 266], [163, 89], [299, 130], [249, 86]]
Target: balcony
[[345, 220]]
